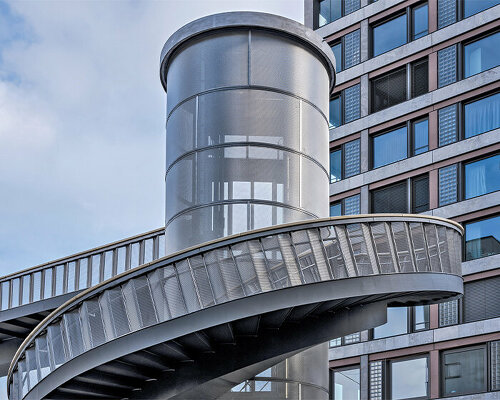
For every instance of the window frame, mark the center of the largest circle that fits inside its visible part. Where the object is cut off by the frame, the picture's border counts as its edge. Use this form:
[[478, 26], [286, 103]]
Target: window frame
[[342, 161], [342, 203], [408, 11], [461, 52], [342, 47], [388, 375], [341, 94], [410, 324], [317, 14], [340, 369], [412, 134], [461, 176], [464, 247], [442, 354]]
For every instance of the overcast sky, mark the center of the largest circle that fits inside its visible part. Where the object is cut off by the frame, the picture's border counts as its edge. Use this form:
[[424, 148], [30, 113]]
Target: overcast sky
[[82, 116]]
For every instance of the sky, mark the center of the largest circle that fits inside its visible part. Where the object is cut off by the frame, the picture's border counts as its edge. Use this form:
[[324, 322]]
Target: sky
[[82, 120]]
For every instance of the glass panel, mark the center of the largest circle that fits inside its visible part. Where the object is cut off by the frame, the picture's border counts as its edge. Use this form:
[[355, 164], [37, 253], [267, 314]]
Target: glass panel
[[389, 35], [43, 356], [420, 318], [337, 52], [392, 199], [397, 323], [376, 380], [448, 188], [59, 271], [481, 55], [420, 21], [464, 371], [352, 103], [447, 117], [335, 165], [134, 259], [482, 238], [324, 13], [108, 264], [448, 313], [148, 250], [419, 78], [447, 66], [15, 292], [96, 267], [346, 384], [5, 296], [335, 210], [420, 136], [420, 194], [389, 147], [336, 112], [472, 7], [71, 276], [122, 252], [82, 280], [495, 365], [37, 283], [409, 379], [351, 6], [47, 291], [482, 177], [352, 158], [482, 115], [335, 342], [161, 246], [447, 12], [352, 205], [352, 45], [26, 289]]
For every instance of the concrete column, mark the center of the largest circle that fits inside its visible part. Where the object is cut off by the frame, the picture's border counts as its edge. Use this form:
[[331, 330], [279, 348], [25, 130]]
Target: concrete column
[[365, 91], [364, 378], [365, 150], [365, 200], [365, 42]]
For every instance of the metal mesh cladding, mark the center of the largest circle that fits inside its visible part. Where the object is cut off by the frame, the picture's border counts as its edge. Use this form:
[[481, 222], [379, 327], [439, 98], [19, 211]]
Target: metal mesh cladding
[[235, 269], [247, 135]]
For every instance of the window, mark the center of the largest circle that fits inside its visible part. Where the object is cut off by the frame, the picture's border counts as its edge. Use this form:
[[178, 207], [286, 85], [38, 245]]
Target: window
[[345, 340], [472, 7], [390, 147], [420, 23], [482, 176], [391, 88], [464, 371], [348, 206], [481, 55], [482, 238], [478, 116], [480, 299], [395, 32], [402, 320], [420, 136], [409, 378], [345, 383], [394, 198], [345, 161], [482, 115], [389, 35], [331, 10], [346, 106], [347, 51]]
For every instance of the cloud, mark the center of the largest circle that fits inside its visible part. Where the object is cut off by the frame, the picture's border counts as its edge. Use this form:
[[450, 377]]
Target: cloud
[[82, 116]]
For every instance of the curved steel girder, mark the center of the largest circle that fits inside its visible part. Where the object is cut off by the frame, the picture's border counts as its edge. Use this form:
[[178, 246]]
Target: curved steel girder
[[412, 288]]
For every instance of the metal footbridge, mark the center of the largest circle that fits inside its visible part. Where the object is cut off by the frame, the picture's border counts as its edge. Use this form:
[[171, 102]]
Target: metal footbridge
[[198, 322]]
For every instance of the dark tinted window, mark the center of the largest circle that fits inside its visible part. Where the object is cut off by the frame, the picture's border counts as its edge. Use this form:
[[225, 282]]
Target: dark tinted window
[[481, 299], [419, 78], [389, 35], [335, 165], [482, 176], [481, 55], [389, 147], [420, 194], [336, 112], [482, 115], [391, 199], [472, 7], [337, 52], [420, 21], [420, 136], [482, 238], [389, 90], [464, 371]]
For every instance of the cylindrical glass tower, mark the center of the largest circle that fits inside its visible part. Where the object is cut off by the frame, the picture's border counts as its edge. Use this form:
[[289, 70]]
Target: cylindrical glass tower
[[247, 135]]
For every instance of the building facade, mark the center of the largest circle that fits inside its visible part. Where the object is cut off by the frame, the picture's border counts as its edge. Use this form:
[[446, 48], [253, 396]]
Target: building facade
[[415, 121]]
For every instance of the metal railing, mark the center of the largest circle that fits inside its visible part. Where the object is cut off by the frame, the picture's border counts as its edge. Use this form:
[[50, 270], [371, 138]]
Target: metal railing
[[80, 271], [232, 268]]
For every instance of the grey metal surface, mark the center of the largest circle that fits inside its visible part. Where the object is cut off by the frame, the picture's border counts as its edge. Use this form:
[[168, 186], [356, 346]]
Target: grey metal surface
[[244, 266], [247, 126]]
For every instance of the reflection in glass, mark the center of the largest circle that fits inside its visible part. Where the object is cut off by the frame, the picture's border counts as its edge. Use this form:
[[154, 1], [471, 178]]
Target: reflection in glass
[[389, 35], [472, 7], [481, 55], [335, 166], [397, 323], [420, 136], [337, 52], [482, 115], [409, 379], [389, 147], [464, 371], [420, 318], [336, 209], [389, 90], [329, 11], [420, 21], [335, 112], [346, 384], [482, 238], [482, 176]]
